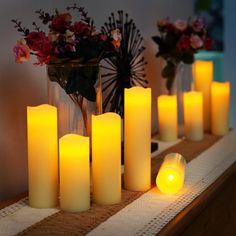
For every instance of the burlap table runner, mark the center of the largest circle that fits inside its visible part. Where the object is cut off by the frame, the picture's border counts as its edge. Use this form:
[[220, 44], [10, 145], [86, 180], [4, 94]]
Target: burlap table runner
[[64, 223]]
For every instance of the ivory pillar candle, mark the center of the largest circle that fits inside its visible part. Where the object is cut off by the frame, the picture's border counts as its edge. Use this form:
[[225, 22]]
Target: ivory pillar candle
[[220, 95], [137, 139], [74, 173], [170, 178], [106, 159], [193, 116], [42, 156], [202, 83], [167, 117]]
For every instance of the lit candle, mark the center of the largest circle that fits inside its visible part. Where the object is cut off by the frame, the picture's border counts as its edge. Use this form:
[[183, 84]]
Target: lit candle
[[220, 93], [202, 83], [106, 158], [42, 156], [137, 139], [74, 173], [193, 116], [167, 123], [170, 178]]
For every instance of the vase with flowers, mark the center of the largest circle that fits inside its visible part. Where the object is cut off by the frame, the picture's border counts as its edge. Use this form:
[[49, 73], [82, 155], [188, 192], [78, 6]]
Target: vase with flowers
[[71, 50], [177, 43]]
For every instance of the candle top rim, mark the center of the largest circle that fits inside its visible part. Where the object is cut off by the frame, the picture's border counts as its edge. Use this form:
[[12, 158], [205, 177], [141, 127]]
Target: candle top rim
[[74, 138], [137, 88], [42, 107], [105, 115]]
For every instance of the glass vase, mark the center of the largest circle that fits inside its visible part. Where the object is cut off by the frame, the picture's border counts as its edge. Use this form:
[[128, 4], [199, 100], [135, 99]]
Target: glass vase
[[69, 89], [182, 83]]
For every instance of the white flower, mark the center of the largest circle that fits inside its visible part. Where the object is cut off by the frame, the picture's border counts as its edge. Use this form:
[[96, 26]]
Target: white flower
[[116, 35]]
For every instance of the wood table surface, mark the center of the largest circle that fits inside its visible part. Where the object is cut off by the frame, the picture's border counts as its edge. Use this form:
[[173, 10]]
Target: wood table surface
[[211, 213]]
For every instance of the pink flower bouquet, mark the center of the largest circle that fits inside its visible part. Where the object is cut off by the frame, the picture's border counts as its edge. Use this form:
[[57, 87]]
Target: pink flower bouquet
[[178, 42]]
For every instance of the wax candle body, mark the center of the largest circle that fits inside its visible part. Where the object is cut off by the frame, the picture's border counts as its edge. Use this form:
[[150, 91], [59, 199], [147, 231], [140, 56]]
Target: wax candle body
[[193, 116], [74, 173], [167, 117], [170, 178], [106, 159], [42, 156], [220, 94], [137, 139], [202, 83]]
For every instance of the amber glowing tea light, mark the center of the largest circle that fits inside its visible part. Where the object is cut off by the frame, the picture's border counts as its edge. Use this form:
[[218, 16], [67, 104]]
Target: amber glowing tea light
[[170, 178]]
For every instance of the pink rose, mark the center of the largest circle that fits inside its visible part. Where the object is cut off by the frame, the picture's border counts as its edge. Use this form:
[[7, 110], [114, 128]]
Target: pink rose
[[35, 39], [81, 28], [196, 41], [103, 37], [180, 25], [21, 51], [60, 23], [184, 42], [198, 25]]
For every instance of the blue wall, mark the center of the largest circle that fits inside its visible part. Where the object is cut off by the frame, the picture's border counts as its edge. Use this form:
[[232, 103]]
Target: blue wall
[[230, 54]]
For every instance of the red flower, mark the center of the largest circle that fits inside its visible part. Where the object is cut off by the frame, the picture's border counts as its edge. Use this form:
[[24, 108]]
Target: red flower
[[184, 42], [198, 25], [208, 44], [81, 28], [35, 39], [44, 53], [61, 23], [169, 27]]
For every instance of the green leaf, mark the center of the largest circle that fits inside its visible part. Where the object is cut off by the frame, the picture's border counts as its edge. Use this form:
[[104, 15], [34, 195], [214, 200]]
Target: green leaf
[[169, 73]]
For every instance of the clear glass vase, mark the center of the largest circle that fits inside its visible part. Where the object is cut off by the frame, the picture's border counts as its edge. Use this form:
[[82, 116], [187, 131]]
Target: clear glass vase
[[74, 109], [182, 83]]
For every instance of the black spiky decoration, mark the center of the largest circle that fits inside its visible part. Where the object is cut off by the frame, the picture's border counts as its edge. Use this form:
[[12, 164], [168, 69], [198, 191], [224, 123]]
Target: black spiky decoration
[[125, 68]]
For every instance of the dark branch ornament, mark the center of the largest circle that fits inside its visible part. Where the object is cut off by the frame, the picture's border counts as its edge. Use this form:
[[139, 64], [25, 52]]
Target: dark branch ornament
[[125, 68]]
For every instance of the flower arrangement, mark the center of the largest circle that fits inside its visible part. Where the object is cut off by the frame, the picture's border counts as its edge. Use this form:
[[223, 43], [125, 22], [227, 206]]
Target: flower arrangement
[[66, 41], [72, 51], [178, 42]]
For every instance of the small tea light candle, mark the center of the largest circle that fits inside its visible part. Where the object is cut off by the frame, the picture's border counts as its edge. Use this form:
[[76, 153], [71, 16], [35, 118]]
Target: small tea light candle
[[167, 123], [170, 178], [193, 116], [74, 173], [203, 73], [220, 93]]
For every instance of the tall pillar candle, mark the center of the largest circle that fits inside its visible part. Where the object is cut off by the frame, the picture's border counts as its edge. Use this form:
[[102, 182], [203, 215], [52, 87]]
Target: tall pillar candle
[[106, 158], [42, 156], [74, 173], [202, 83], [167, 117], [193, 116], [220, 93], [137, 139]]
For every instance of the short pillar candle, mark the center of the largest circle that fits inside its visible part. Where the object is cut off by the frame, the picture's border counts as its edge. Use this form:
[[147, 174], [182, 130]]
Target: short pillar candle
[[170, 178], [167, 117], [220, 95], [193, 116], [137, 139], [42, 156], [74, 173], [106, 158], [203, 73]]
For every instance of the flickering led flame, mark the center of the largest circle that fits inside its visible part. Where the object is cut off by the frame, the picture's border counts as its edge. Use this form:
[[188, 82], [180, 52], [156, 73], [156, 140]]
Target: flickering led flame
[[170, 177]]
